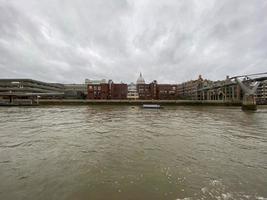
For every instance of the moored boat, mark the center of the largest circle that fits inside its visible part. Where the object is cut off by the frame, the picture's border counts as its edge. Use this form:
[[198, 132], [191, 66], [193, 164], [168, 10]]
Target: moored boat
[[154, 106]]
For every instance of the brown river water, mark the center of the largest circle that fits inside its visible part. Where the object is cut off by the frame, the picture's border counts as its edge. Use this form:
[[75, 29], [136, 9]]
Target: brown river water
[[130, 153]]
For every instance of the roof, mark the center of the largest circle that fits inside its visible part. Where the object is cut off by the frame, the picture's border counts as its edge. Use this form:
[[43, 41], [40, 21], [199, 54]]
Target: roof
[[140, 79]]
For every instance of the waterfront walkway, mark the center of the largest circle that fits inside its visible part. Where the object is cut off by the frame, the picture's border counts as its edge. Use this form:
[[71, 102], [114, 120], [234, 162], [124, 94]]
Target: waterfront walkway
[[137, 102]]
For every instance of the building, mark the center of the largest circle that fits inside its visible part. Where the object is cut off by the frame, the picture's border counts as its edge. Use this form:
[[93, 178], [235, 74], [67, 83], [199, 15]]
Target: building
[[167, 92], [225, 90], [229, 90], [75, 91], [28, 91], [200, 89], [118, 90], [147, 91], [108, 90], [98, 91], [261, 92], [156, 91], [189, 90], [24, 88], [132, 91], [203, 89], [140, 80], [29, 86], [89, 81]]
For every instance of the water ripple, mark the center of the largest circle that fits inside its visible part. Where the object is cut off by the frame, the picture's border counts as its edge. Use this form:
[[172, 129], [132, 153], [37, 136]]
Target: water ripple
[[120, 152]]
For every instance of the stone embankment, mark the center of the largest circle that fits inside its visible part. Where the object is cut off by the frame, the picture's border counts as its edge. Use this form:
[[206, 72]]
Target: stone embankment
[[135, 102]]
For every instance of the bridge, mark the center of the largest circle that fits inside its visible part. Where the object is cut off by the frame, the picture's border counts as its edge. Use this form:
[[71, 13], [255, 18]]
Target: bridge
[[249, 86]]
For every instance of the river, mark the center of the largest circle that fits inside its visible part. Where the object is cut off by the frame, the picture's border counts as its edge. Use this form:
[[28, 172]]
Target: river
[[130, 153]]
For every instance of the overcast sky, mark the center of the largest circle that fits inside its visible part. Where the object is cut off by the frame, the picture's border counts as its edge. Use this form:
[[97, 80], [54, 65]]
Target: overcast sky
[[167, 40]]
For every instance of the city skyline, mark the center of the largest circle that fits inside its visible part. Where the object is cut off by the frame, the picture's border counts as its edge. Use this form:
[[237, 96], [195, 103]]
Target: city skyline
[[168, 41], [87, 80], [133, 99]]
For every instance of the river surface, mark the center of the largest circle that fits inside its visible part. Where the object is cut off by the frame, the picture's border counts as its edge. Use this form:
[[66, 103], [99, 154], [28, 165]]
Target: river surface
[[130, 153]]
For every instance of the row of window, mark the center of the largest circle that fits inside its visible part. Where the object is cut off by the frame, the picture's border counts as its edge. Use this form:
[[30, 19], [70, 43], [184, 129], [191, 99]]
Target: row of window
[[95, 87]]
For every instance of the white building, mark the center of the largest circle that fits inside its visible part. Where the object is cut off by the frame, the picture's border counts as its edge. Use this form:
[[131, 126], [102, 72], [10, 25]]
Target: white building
[[132, 91], [95, 82], [132, 88]]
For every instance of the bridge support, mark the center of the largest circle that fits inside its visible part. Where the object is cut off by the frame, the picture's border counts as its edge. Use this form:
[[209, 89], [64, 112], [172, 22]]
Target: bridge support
[[249, 101], [10, 99]]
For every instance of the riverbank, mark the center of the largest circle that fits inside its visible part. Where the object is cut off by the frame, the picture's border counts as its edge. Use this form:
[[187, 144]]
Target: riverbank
[[135, 102]]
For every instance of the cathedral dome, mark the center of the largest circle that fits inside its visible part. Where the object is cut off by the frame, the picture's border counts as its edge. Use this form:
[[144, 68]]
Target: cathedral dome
[[140, 79]]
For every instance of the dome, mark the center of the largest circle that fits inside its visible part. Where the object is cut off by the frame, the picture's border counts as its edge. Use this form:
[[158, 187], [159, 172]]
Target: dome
[[140, 79]]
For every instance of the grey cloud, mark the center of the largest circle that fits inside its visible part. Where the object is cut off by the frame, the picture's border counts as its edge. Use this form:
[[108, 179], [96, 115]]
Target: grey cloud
[[167, 40]]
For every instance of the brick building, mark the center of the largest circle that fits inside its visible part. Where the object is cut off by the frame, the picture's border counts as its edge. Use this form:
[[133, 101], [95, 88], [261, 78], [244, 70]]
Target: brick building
[[108, 90], [157, 91], [118, 91], [98, 91], [167, 92], [147, 91]]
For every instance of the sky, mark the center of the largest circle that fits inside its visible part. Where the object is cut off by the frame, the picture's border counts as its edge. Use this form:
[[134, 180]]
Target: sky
[[170, 41]]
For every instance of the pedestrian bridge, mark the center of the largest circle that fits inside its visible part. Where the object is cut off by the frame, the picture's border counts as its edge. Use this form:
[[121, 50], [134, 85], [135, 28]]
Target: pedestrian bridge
[[249, 85]]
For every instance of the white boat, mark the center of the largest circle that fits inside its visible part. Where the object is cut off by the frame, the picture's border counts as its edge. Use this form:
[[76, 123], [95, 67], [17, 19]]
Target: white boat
[[156, 106]]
